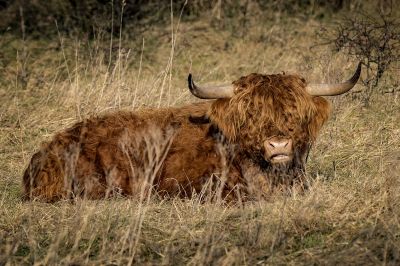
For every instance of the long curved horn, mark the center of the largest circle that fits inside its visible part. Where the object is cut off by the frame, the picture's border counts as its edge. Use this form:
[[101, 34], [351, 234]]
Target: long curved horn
[[334, 88], [210, 92]]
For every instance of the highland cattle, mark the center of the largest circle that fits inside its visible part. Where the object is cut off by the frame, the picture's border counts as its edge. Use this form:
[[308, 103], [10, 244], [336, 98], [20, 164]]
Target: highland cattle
[[250, 138]]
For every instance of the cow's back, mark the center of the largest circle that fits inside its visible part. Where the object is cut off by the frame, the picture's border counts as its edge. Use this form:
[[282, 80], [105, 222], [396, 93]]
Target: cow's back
[[106, 152]]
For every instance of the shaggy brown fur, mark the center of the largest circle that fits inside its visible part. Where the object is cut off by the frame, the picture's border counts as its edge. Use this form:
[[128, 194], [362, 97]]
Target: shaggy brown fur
[[211, 146]]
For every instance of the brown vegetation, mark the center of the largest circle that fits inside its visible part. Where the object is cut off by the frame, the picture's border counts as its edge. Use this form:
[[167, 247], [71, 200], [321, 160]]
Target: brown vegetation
[[349, 215]]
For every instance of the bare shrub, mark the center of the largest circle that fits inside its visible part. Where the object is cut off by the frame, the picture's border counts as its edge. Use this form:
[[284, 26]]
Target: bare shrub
[[373, 40]]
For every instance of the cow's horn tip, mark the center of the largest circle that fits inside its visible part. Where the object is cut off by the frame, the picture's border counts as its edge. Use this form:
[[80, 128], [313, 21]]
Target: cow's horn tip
[[359, 67], [190, 81]]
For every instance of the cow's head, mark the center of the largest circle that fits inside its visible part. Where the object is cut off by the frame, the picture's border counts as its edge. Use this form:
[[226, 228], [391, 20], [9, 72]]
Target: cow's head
[[273, 117]]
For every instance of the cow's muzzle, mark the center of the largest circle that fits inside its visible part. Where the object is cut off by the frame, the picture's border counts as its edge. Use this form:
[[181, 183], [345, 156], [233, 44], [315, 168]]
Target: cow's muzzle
[[278, 150]]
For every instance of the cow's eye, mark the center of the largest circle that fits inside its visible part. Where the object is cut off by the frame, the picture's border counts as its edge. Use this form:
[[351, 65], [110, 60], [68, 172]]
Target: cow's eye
[[291, 129]]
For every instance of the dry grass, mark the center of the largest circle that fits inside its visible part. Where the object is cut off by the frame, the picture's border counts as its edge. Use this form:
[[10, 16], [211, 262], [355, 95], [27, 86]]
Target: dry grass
[[349, 216]]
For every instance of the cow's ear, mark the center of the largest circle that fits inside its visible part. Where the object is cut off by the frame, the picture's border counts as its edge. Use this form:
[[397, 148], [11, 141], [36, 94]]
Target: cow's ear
[[203, 119], [225, 117], [323, 111]]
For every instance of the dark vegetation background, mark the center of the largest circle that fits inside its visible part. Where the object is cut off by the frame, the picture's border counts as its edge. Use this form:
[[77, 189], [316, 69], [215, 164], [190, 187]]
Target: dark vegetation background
[[87, 16]]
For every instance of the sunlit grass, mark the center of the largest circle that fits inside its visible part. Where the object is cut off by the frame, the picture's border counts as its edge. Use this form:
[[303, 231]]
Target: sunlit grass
[[350, 215]]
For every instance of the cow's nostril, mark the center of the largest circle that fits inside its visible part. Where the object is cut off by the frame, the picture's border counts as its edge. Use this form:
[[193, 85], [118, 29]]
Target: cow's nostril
[[272, 145]]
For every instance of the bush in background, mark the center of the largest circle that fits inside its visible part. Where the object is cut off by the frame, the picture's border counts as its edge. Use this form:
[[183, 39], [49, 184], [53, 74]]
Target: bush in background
[[371, 38]]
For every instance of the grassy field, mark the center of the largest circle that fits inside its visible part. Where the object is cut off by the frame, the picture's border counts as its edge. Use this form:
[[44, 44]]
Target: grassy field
[[350, 215]]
